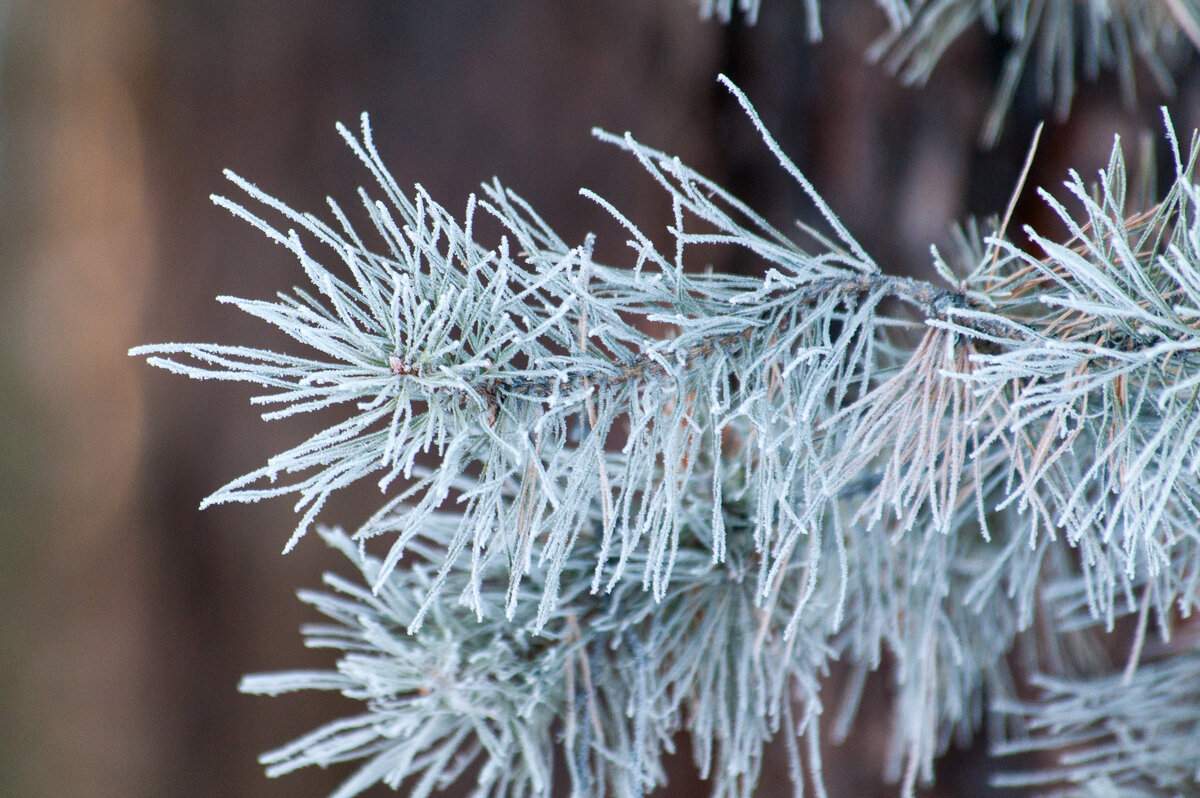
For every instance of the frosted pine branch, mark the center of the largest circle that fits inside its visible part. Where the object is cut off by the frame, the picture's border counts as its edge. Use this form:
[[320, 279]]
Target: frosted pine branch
[[1121, 738], [1057, 41], [615, 537], [898, 12]]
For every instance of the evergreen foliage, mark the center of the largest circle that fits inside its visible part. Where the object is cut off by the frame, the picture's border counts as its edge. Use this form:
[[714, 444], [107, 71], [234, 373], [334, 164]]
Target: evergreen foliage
[[1063, 39], [1131, 735], [598, 538]]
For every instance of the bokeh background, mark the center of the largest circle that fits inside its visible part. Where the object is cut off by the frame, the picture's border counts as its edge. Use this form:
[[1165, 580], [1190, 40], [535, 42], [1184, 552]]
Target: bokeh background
[[127, 616]]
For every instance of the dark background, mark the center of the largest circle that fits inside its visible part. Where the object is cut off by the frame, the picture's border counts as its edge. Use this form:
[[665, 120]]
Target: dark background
[[128, 615]]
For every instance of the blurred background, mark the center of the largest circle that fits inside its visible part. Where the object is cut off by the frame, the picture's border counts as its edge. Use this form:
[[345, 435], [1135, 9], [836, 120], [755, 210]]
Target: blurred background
[[128, 615]]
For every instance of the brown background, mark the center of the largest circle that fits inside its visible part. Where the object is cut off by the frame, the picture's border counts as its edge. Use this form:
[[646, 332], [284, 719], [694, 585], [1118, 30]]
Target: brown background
[[129, 616]]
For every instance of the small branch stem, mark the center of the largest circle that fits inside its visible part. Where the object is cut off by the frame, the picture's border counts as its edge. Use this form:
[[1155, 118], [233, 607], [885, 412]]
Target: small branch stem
[[931, 301]]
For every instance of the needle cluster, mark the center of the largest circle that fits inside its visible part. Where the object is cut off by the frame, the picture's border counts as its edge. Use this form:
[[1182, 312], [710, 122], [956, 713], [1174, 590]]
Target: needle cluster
[[1061, 40]]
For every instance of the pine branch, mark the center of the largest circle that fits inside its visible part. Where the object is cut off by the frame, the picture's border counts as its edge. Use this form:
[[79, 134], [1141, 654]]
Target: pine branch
[[1113, 737], [1059, 40], [1056, 40], [646, 536]]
